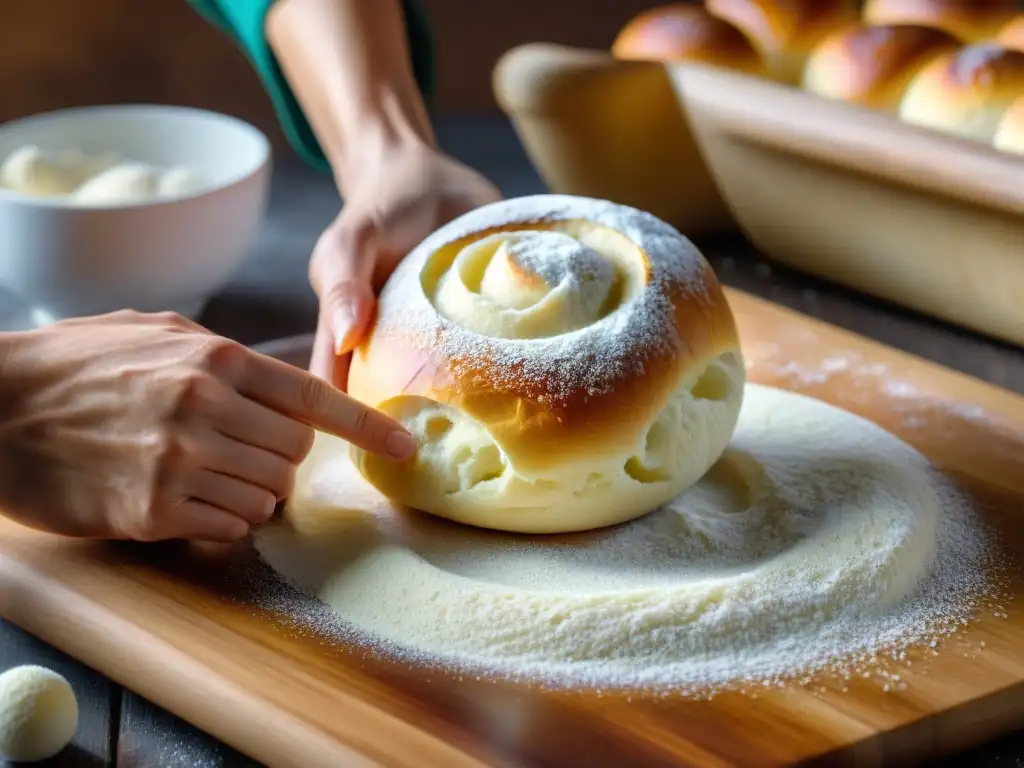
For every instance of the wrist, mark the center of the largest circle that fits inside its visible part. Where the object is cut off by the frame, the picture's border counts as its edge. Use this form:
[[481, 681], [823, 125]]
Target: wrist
[[371, 142], [348, 64]]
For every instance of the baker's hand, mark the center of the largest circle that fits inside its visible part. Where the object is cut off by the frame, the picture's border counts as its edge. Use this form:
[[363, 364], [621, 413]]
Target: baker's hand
[[149, 427], [403, 195]]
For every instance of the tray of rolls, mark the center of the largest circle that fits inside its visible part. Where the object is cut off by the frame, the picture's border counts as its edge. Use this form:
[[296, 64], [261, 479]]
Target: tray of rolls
[[879, 145]]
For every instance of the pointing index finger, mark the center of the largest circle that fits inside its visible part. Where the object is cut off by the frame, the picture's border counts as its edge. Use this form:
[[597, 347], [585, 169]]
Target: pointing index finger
[[316, 402]]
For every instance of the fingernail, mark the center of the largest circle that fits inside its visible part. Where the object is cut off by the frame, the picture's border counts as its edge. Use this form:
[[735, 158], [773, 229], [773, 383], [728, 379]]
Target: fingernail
[[400, 445], [342, 323]]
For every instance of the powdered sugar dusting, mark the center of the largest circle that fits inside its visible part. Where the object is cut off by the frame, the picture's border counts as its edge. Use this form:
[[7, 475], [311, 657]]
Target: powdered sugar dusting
[[838, 551], [862, 382], [555, 257], [621, 344]]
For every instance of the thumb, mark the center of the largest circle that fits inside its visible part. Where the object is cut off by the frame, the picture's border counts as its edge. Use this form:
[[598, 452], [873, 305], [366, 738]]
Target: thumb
[[341, 276]]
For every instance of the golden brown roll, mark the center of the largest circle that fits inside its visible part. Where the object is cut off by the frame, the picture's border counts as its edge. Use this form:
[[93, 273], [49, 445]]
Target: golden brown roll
[[1011, 34], [565, 363], [965, 92], [1010, 133], [683, 32], [970, 20], [785, 31], [872, 66]]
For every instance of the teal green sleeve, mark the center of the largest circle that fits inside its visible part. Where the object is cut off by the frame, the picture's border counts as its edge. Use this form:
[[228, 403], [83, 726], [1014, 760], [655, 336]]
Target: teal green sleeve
[[242, 21]]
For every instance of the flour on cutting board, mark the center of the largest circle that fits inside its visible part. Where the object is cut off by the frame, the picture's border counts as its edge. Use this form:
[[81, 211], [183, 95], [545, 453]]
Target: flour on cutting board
[[863, 380], [819, 542]]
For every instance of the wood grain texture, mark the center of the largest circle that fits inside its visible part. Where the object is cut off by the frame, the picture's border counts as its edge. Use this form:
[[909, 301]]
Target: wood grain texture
[[178, 626]]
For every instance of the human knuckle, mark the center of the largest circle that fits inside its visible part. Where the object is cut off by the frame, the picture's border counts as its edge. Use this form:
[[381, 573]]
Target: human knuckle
[[263, 505], [129, 316], [282, 480], [175, 451], [195, 392], [171, 319], [222, 357], [363, 423], [145, 525], [315, 395], [300, 443]]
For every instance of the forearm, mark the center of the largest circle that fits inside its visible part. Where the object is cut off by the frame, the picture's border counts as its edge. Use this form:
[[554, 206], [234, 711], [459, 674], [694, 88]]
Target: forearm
[[347, 62]]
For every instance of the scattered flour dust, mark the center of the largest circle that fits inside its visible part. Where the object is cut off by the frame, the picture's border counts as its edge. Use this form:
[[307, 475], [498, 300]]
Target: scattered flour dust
[[819, 543], [864, 382]]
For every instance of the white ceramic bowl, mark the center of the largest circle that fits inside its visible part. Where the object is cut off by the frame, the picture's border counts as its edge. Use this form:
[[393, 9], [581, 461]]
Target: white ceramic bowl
[[169, 254]]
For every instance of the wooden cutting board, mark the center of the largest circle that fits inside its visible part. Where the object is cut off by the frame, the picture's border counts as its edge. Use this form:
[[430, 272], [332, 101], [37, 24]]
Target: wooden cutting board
[[173, 623]]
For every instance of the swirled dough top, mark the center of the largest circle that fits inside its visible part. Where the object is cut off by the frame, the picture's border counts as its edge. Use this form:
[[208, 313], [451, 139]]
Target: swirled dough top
[[816, 534], [549, 349]]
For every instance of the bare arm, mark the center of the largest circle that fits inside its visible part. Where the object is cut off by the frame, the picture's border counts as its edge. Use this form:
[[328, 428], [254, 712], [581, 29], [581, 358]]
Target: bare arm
[[347, 62]]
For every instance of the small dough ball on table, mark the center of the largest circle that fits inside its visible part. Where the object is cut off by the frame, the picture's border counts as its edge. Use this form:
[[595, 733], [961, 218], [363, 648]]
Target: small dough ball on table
[[872, 65], [687, 33], [38, 714], [31, 170], [121, 184], [970, 20], [1010, 134], [565, 364], [786, 31], [966, 92], [1012, 33]]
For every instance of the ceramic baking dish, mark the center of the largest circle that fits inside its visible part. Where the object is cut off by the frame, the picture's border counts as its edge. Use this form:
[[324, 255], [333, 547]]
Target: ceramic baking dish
[[596, 126], [931, 222]]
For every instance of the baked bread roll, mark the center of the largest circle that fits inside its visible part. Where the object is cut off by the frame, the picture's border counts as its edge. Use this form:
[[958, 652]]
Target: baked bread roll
[[966, 92], [565, 363], [785, 31], [872, 66], [683, 32], [1010, 133], [1011, 34], [970, 20]]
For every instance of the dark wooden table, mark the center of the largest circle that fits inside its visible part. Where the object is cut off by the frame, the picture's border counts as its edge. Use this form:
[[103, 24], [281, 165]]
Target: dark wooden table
[[270, 298]]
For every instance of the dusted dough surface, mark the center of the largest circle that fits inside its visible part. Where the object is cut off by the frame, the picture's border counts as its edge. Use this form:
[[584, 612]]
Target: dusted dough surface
[[38, 714], [814, 535], [565, 363]]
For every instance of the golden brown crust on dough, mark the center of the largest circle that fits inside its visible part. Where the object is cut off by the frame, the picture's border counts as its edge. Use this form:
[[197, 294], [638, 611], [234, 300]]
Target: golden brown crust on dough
[[873, 65], [785, 31], [682, 32], [970, 20], [531, 428], [966, 92]]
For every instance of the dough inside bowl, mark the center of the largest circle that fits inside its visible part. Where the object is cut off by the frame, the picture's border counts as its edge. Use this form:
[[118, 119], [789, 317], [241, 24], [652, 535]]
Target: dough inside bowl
[[816, 534]]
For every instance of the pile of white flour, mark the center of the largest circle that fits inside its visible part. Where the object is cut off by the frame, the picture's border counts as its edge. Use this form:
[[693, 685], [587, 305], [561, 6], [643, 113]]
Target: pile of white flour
[[818, 538]]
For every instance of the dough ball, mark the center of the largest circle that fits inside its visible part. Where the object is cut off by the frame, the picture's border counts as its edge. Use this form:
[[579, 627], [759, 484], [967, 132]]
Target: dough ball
[[123, 183], [564, 363], [179, 181], [35, 171], [38, 713]]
